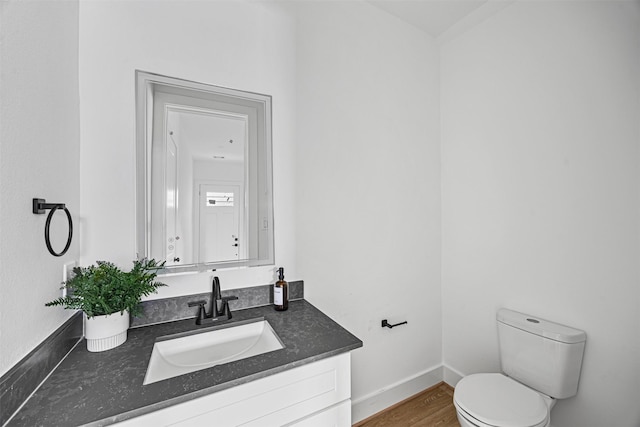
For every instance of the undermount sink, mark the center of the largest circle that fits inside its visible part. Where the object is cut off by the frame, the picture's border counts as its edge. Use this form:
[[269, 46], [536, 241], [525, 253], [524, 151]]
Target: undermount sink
[[180, 354]]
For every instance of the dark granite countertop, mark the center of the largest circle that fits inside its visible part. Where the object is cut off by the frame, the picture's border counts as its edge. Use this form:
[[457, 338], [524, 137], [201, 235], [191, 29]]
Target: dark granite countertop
[[98, 389]]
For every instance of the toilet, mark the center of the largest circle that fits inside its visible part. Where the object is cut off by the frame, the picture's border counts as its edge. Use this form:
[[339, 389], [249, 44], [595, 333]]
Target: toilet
[[540, 361]]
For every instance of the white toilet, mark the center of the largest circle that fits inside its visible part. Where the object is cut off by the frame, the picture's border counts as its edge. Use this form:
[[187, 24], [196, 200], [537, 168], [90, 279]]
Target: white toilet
[[541, 361]]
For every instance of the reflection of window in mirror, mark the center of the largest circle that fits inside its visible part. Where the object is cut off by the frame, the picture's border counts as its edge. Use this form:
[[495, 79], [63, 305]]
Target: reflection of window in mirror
[[204, 175], [220, 199]]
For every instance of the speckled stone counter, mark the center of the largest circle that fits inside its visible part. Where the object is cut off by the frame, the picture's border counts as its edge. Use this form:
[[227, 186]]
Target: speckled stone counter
[[97, 389]]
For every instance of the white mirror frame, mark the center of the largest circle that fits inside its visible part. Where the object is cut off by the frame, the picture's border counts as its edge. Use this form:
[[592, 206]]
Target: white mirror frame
[[263, 229]]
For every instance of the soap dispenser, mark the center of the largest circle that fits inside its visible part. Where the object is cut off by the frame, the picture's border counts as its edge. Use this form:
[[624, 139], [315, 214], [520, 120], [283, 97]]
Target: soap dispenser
[[281, 292]]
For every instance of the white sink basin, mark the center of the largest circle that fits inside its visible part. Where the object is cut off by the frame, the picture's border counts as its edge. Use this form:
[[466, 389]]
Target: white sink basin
[[177, 356]]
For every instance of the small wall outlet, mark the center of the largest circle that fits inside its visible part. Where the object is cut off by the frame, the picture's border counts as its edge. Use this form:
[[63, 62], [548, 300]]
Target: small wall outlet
[[67, 273]]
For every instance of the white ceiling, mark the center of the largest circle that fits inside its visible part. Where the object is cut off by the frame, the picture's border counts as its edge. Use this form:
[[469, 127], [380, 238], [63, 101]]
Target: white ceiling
[[210, 136], [431, 16]]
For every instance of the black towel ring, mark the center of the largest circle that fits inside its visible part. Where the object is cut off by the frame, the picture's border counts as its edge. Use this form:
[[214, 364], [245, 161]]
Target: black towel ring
[[39, 207]]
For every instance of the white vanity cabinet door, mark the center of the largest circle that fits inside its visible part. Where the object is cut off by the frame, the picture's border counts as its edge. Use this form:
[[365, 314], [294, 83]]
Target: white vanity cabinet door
[[281, 399], [337, 416]]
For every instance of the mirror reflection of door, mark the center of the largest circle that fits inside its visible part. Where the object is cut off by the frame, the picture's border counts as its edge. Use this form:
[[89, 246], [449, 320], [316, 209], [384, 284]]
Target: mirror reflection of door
[[202, 146], [219, 227], [190, 133]]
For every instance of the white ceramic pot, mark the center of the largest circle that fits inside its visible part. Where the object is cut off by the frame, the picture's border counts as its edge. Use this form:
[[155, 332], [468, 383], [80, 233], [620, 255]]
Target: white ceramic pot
[[106, 332]]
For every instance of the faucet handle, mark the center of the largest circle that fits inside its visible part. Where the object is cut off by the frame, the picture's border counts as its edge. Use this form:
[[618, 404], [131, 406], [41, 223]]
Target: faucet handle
[[225, 306], [201, 311]]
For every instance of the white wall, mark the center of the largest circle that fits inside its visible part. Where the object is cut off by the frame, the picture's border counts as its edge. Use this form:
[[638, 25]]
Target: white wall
[[541, 184], [213, 170], [242, 45], [368, 189], [39, 150]]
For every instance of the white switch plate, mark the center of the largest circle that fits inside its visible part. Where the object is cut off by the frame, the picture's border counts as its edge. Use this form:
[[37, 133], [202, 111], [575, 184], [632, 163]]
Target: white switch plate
[[67, 273]]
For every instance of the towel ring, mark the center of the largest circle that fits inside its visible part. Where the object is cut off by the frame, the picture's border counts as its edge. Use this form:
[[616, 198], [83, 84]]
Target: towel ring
[[39, 207]]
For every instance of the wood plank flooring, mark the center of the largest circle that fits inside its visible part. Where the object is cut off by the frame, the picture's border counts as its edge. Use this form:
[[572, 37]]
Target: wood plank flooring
[[430, 408]]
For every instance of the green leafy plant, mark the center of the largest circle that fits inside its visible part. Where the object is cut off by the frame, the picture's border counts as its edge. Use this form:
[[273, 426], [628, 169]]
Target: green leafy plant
[[103, 288]]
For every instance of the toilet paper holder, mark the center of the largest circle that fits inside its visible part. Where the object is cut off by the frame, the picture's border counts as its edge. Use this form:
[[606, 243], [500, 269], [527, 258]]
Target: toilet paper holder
[[386, 324]]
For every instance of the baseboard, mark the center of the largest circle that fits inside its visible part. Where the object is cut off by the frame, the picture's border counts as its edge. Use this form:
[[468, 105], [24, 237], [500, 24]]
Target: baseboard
[[364, 407], [451, 376]]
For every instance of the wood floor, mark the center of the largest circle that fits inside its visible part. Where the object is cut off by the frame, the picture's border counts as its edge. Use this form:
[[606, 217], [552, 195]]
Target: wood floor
[[430, 408]]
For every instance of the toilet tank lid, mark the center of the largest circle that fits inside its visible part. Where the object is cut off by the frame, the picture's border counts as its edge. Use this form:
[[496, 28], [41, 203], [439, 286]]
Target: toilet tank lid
[[541, 327]]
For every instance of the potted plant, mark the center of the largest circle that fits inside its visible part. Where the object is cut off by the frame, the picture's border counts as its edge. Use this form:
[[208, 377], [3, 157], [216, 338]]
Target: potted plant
[[107, 296]]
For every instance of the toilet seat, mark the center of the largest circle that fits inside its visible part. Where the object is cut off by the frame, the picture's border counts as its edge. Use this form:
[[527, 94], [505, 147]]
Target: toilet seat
[[496, 400]]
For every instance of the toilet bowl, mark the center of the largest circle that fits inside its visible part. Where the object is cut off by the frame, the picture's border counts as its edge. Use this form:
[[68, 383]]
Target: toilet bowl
[[495, 400]]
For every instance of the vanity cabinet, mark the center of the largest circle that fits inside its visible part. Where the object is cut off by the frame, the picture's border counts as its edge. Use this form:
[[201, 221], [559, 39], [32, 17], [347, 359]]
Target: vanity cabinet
[[316, 394]]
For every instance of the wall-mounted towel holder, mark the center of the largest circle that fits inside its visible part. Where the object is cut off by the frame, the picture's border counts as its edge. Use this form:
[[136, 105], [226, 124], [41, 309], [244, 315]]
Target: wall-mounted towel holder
[[386, 324], [39, 207]]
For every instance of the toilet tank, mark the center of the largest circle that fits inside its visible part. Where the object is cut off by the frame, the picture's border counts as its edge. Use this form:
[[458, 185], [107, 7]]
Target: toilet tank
[[543, 355]]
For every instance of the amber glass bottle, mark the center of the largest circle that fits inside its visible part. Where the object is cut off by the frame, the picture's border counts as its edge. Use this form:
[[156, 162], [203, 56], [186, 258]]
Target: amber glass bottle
[[281, 292]]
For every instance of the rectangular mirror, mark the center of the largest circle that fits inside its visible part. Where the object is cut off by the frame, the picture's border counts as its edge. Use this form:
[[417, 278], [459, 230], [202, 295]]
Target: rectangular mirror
[[204, 175]]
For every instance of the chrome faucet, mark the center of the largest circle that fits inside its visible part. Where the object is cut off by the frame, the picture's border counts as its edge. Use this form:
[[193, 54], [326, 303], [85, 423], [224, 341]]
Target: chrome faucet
[[215, 312]]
